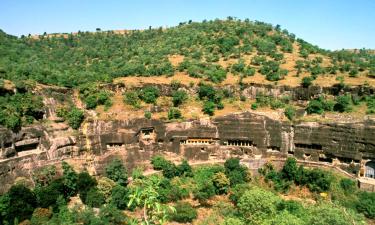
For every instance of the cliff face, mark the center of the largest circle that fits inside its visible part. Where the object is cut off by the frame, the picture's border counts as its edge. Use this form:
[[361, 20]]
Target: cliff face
[[244, 135]]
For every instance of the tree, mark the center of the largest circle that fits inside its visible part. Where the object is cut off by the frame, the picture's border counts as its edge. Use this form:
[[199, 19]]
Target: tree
[[148, 115], [204, 192], [75, 117], [94, 198], [258, 204], [174, 113], [149, 94], [179, 97], [146, 196], [290, 112], [343, 103], [290, 169], [116, 171], [70, 178], [209, 108], [159, 162], [131, 98], [184, 169], [366, 204], [22, 202], [184, 213], [307, 81], [221, 183], [120, 197]]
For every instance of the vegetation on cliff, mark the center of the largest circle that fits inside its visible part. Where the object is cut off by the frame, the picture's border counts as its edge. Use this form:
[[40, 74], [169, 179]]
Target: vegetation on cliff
[[223, 194]]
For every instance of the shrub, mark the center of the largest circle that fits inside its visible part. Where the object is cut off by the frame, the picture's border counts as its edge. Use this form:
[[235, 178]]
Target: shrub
[[94, 198], [209, 108], [315, 106], [204, 191], [174, 113], [149, 94], [307, 81], [254, 106], [131, 98], [343, 103], [75, 117], [257, 204], [47, 196], [120, 197], [290, 112], [178, 98], [184, 169], [116, 171], [330, 214], [290, 169], [105, 186], [170, 170], [366, 204], [84, 183], [22, 202], [148, 115], [237, 191], [184, 213], [206, 91], [221, 182], [70, 178], [233, 221], [235, 172], [348, 185], [159, 162], [108, 214]]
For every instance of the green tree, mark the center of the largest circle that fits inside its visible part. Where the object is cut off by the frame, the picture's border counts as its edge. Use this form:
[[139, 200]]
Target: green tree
[[149, 94], [70, 178], [257, 205], [22, 202], [116, 171], [307, 81], [75, 117], [290, 112], [184, 213], [179, 97], [209, 108], [174, 113], [145, 195]]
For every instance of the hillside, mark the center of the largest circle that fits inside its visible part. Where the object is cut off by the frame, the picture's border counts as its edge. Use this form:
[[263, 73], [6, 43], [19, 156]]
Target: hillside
[[221, 53]]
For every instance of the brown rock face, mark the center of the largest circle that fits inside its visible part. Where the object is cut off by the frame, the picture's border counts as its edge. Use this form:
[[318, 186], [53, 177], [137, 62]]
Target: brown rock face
[[244, 135]]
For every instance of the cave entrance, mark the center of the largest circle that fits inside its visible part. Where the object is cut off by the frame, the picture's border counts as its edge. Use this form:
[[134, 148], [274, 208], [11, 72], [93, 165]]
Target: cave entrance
[[370, 169]]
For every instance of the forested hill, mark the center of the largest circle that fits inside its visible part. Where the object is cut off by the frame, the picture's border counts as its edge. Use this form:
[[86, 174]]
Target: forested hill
[[73, 59]]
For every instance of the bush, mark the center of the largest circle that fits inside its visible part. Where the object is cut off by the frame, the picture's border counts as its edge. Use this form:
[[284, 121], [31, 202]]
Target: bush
[[75, 117], [170, 170], [343, 103], [148, 115], [330, 214], [149, 94], [290, 169], [108, 214], [131, 98], [290, 112], [366, 204], [235, 172], [315, 106], [94, 198], [85, 182], [47, 196], [221, 183], [22, 202], [116, 171], [174, 113], [184, 213], [209, 108], [307, 81], [120, 197], [348, 185], [204, 192], [237, 191], [184, 169], [178, 98], [257, 204], [159, 162]]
